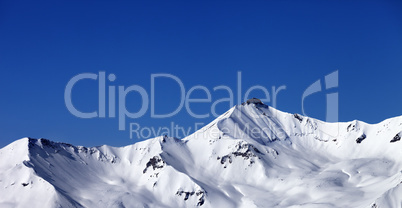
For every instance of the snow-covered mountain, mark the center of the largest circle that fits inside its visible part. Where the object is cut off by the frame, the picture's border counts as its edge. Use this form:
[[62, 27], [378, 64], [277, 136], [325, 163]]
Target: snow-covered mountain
[[251, 156]]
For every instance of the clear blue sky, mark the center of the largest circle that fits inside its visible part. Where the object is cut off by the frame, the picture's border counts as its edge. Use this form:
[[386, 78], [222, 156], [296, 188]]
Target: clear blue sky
[[43, 44]]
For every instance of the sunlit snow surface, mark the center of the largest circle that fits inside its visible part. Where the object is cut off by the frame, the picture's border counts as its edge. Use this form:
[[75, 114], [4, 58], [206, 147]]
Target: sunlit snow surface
[[251, 156]]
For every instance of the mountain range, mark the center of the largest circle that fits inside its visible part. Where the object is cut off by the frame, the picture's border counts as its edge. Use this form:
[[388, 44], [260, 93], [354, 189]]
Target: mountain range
[[251, 156]]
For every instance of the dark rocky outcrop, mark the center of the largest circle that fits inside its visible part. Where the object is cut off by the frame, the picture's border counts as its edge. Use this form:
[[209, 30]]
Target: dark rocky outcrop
[[396, 138], [187, 194], [156, 162], [298, 117], [361, 138]]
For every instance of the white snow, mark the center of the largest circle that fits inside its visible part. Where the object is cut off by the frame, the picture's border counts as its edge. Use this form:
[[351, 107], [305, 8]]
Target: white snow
[[251, 156]]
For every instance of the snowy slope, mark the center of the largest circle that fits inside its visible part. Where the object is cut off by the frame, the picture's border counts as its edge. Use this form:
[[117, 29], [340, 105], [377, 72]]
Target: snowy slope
[[251, 156]]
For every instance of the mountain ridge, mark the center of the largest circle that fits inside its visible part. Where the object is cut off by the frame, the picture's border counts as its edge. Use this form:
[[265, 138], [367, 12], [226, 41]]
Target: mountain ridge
[[292, 160]]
